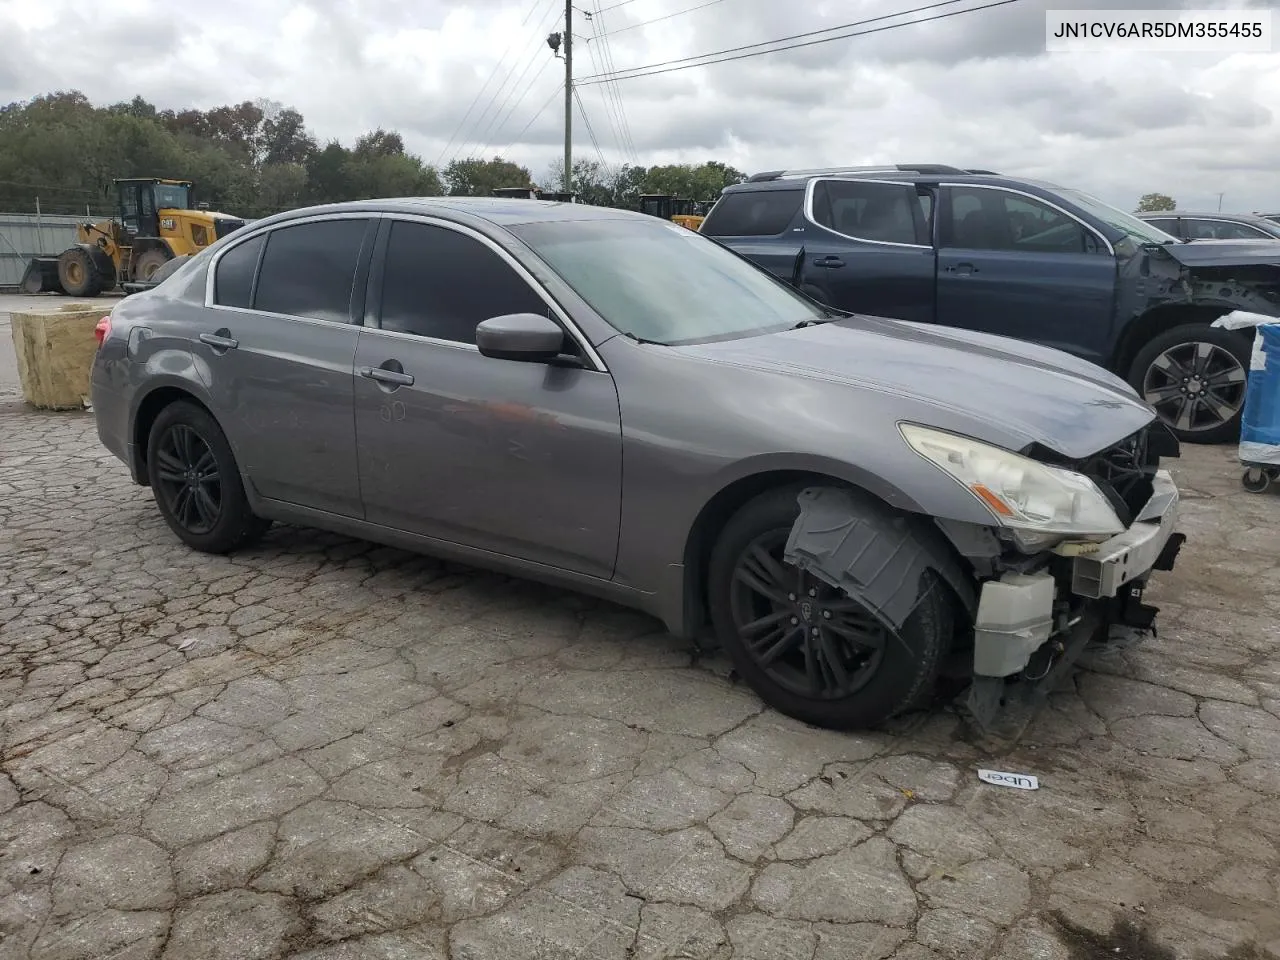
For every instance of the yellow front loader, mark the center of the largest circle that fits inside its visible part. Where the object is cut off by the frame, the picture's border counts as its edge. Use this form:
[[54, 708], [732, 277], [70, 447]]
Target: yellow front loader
[[154, 223], [686, 212]]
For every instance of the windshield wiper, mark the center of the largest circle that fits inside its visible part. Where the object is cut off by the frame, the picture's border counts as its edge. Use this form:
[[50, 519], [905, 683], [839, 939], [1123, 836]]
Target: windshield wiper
[[632, 336], [827, 317]]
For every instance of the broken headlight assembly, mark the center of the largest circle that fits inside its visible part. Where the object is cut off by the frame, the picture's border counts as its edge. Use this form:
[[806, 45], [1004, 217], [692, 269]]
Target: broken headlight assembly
[[1041, 505]]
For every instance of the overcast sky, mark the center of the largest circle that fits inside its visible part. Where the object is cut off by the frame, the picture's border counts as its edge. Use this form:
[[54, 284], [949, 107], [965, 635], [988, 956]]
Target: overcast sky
[[973, 90]]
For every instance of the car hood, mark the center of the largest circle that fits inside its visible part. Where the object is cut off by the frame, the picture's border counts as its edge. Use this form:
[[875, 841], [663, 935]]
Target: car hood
[[1224, 253], [1014, 393]]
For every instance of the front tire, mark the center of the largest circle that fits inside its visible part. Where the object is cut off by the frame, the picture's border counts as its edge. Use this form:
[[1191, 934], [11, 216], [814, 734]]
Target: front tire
[[196, 481], [77, 273], [1195, 376], [809, 650]]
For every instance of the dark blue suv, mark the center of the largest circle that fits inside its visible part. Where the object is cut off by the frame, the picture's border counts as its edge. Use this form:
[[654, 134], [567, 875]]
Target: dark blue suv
[[1021, 258]]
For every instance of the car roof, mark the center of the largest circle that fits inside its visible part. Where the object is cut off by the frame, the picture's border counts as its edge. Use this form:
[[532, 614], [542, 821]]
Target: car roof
[[500, 211], [920, 173], [1150, 214]]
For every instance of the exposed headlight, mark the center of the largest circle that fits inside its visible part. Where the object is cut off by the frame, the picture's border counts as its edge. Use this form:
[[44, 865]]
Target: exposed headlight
[[1021, 493]]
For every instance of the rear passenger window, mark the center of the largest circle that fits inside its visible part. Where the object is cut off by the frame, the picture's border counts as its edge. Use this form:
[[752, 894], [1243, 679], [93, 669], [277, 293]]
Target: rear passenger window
[[758, 213], [884, 212], [308, 270], [233, 284], [441, 283]]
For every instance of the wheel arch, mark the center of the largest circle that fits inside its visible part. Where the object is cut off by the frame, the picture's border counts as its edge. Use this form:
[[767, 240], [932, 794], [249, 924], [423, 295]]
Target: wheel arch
[[144, 417], [1155, 321], [730, 498]]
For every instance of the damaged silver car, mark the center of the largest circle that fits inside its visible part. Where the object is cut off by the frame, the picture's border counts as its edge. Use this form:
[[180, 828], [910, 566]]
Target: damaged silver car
[[615, 404]]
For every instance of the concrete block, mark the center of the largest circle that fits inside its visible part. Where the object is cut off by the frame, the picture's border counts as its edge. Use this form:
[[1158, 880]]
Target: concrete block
[[55, 351]]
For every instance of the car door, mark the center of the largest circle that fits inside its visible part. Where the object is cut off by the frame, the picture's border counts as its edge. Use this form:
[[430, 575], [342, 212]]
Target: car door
[[762, 224], [1013, 264], [867, 248], [278, 354], [516, 458]]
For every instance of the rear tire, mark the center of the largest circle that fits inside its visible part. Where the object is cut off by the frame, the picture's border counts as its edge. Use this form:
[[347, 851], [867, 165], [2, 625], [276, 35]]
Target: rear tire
[[1195, 376], [880, 675], [196, 481], [77, 273]]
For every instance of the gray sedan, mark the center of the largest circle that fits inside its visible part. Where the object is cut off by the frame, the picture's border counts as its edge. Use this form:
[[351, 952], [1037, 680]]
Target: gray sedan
[[616, 404]]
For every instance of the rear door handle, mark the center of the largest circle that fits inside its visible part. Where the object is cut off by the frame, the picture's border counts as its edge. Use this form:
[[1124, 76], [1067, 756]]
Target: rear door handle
[[382, 375], [963, 269], [218, 341], [828, 262]]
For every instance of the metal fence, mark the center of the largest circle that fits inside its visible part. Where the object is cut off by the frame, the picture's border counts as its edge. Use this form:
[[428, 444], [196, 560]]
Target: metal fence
[[23, 236]]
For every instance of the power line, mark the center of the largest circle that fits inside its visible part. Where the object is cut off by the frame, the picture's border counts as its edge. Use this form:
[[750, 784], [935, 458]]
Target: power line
[[476, 99], [605, 98], [620, 3], [606, 51], [491, 137], [586, 121], [669, 16], [483, 131], [534, 119], [650, 69]]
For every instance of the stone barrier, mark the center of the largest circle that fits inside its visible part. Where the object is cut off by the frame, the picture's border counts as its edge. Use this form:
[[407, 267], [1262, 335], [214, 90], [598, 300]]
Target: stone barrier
[[55, 353]]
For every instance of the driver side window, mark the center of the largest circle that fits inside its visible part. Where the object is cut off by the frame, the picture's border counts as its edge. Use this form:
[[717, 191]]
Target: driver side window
[[441, 283], [982, 219]]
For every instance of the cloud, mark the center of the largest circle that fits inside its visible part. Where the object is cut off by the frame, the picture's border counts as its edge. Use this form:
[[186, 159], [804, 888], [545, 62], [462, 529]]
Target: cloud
[[974, 90]]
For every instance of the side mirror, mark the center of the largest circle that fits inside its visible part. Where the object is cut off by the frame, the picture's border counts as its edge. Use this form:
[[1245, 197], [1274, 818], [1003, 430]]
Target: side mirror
[[520, 336]]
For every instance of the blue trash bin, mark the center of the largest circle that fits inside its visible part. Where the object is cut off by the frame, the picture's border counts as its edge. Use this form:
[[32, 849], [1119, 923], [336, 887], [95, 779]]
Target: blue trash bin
[[1260, 420]]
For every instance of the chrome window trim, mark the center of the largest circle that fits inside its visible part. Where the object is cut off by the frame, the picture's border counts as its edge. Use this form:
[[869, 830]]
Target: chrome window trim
[[1031, 196], [574, 331], [812, 185]]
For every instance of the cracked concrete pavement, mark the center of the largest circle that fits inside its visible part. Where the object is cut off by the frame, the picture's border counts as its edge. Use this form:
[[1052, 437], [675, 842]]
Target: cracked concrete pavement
[[325, 749]]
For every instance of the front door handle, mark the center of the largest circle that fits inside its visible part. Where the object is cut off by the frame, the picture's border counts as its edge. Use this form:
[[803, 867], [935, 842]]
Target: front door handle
[[963, 269], [220, 340], [828, 262], [383, 375]]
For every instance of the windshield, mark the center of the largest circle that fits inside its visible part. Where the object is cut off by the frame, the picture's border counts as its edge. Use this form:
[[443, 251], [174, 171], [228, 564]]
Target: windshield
[[171, 196], [664, 283], [1126, 223]]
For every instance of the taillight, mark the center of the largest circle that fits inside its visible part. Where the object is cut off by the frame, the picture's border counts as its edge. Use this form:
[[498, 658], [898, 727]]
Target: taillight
[[103, 329]]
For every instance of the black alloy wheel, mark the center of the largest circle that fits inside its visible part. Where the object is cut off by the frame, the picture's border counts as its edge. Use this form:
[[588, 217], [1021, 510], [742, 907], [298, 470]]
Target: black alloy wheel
[[807, 636], [186, 475], [810, 650], [196, 481]]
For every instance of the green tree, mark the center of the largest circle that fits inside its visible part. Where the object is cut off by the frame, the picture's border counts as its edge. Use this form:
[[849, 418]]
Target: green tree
[[479, 178], [1155, 202], [285, 139]]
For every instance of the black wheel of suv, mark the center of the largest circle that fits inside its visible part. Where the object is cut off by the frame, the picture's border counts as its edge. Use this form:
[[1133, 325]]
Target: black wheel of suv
[[808, 649], [1195, 376], [196, 482]]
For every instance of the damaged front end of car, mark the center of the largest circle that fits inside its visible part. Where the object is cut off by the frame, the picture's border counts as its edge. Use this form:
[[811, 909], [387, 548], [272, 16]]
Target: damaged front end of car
[[1062, 567]]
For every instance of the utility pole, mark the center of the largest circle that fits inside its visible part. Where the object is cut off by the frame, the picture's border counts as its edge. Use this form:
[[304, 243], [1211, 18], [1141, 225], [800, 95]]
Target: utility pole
[[1219, 203], [568, 96]]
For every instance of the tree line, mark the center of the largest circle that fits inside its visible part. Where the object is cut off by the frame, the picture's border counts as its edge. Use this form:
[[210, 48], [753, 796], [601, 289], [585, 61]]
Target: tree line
[[258, 157]]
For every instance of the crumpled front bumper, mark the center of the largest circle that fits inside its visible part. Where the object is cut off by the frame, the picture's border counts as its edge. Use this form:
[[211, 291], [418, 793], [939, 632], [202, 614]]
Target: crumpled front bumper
[[1033, 626], [1135, 552]]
